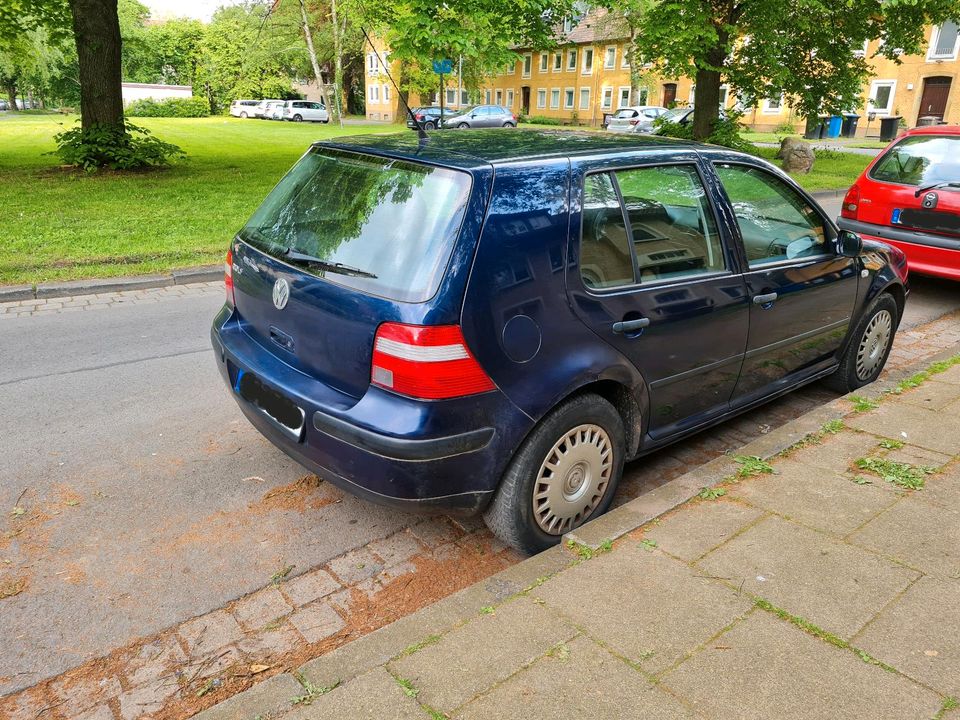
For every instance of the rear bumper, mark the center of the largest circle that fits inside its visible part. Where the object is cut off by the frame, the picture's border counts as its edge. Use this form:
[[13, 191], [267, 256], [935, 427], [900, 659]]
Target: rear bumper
[[391, 450], [927, 253]]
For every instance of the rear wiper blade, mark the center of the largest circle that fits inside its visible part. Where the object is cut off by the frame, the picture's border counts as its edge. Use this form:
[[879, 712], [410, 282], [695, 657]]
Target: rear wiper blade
[[945, 183], [326, 265]]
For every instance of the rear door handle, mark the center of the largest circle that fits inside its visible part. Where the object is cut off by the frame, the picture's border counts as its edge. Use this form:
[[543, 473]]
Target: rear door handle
[[629, 326], [767, 299]]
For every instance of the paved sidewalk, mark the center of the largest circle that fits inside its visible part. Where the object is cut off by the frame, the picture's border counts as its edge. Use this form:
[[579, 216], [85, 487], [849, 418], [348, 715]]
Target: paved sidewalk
[[824, 583]]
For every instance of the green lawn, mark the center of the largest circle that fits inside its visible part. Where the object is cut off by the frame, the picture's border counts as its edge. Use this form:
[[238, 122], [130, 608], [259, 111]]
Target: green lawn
[[63, 224], [769, 137]]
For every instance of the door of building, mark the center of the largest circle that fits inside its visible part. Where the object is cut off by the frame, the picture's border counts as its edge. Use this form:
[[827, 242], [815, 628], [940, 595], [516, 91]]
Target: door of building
[[525, 99], [933, 102], [669, 94]]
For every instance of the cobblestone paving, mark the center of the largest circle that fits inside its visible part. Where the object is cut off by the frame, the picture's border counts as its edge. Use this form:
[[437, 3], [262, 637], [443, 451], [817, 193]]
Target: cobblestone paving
[[101, 301]]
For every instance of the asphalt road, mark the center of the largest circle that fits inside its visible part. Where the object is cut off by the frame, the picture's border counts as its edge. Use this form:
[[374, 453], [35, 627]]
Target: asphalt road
[[149, 499]]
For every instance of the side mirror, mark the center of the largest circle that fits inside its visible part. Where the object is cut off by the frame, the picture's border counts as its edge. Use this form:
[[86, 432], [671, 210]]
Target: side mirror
[[849, 244]]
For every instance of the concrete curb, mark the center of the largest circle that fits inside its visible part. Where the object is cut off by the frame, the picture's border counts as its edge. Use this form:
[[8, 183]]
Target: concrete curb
[[354, 659], [44, 291]]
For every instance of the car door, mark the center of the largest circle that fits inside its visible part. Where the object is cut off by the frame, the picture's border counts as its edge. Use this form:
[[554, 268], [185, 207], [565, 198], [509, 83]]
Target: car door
[[802, 291], [654, 278]]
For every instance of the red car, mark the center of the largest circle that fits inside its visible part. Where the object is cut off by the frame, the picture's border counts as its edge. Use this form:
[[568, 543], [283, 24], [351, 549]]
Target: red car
[[909, 196]]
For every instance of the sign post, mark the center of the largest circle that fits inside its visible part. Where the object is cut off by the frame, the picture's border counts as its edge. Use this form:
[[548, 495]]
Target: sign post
[[441, 68]]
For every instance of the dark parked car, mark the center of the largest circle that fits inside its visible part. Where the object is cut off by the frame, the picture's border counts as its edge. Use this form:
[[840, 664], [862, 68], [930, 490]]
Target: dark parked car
[[427, 117], [481, 116], [494, 322]]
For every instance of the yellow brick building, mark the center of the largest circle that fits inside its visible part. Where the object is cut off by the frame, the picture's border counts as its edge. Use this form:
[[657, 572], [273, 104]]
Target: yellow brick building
[[588, 76]]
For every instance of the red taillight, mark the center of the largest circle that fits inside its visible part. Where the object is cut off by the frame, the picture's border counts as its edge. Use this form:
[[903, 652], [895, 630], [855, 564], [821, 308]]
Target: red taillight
[[851, 203], [228, 276], [431, 362], [419, 116], [514, 118]]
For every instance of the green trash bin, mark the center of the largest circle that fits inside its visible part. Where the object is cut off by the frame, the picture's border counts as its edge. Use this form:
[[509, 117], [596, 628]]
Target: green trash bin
[[889, 127]]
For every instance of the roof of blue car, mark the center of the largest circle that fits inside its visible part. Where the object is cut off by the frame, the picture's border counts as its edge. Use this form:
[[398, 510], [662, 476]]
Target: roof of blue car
[[469, 147]]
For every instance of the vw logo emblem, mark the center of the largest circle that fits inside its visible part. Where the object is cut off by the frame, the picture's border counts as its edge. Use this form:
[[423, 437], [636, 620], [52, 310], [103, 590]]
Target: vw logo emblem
[[281, 294], [929, 200]]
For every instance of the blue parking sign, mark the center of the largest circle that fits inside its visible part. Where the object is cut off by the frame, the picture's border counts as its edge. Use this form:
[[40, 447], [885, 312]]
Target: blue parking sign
[[443, 67]]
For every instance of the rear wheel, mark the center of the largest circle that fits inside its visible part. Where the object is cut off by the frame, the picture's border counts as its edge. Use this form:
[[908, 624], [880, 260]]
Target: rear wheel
[[868, 348], [429, 126], [243, 115], [298, 118], [564, 474], [509, 124]]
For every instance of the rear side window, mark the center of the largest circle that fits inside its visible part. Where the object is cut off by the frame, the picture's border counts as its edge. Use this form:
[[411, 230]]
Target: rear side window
[[604, 247], [920, 160], [379, 225]]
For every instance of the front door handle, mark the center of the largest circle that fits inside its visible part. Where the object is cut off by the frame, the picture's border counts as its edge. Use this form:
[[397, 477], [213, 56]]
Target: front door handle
[[767, 299], [629, 326]]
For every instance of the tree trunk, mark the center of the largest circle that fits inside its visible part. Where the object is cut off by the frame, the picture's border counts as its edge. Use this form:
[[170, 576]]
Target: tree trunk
[[337, 62], [706, 96], [11, 88], [308, 36], [634, 71], [96, 29]]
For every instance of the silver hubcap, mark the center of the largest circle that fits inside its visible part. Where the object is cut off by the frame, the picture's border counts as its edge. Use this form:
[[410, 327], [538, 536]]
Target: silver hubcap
[[873, 344], [572, 479]]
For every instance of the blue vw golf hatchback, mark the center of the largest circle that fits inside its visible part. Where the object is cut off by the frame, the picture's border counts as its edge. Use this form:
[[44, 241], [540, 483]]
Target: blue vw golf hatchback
[[495, 322]]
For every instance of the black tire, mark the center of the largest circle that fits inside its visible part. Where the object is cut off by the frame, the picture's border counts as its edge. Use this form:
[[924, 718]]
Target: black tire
[[850, 374], [509, 124], [429, 126], [325, 121], [462, 126], [298, 118], [511, 514], [243, 115]]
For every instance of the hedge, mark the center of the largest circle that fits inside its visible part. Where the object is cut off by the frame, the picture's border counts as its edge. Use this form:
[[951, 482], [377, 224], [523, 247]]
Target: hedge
[[169, 107]]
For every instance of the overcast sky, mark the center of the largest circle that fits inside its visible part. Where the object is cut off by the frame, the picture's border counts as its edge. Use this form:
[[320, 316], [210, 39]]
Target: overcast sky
[[199, 9]]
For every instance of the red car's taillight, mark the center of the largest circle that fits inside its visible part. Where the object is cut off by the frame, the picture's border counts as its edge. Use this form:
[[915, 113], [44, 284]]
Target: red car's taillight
[[851, 203], [430, 362], [228, 277], [419, 116], [634, 122]]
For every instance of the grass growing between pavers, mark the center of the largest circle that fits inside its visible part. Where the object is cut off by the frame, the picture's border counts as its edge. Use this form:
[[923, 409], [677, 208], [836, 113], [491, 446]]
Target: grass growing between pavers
[[63, 224], [901, 474], [311, 691]]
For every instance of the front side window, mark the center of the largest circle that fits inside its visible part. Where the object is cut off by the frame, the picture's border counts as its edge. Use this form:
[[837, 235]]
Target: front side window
[[393, 222], [671, 225], [775, 222], [605, 260], [920, 160]]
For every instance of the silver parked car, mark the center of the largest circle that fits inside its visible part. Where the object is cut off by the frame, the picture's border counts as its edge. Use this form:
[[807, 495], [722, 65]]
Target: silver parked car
[[638, 118], [481, 116], [300, 110]]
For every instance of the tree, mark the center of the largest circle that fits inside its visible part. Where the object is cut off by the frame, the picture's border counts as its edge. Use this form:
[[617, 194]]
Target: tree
[[801, 48]]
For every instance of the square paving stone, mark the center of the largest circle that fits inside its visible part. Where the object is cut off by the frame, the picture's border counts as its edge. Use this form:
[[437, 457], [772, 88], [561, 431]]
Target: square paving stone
[[951, 376], [578, 680], [486, 650], [930, 395], [698, 527], [261, 608], [648, 607], [920, 634], [943, 488], [921, 534], [373, 696], [924, 428], [830, 583], [766, 668], [816, 497], [837, 452]]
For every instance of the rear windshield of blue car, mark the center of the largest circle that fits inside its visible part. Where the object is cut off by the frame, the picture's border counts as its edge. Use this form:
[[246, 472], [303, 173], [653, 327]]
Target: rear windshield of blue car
[[382, 226], [920, 160]]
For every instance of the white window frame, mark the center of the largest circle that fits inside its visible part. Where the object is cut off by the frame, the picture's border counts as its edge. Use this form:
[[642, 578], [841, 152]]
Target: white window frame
[[498, 94], [386, 93], [373, 64], [624, 58], [572, 92], [509, 103], [512, 68], [451, 93], [541, 98], [527, 67], [606, 97], [544, 62], [725, 92], [558, 94], [557, 62], [935, 40], [692, 95], [874, 86], [587, 53], [374, 94], [606, 55], [623, 96], [644, 96], [580, 103], [572, 60], [767, 109], [486, 97]]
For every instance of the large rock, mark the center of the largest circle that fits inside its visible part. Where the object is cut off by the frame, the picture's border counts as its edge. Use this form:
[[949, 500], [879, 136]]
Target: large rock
[[797, 156]]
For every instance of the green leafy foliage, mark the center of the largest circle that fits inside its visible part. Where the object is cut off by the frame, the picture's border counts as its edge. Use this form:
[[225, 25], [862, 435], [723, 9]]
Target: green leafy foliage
[[711, 493], [751, 465], [862, 404], [127, 147], [902, 474], [169, 107], [726, 132], [543, 120]]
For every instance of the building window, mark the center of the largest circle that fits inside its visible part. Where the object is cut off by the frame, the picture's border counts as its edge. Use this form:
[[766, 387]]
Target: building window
[[724, 94], [451, 96], [544, 62], [693, 94], [773, 104], [606, 101], [881, 96], [555, 99], [386, 93], [584, 98], [486, 97], [944, 42], [625, 57], [541, 98], [372, 63], [374, 93], [642, 96], [512, 68], [510, 99], [499, 96], [610, 57], [557, 62], [464, 97], [624, 100], [587, 61], [572, 59], [567, 24], [568, 98], [527, 64]]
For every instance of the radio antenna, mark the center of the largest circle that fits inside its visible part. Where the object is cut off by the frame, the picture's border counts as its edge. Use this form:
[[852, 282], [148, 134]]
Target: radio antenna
[[421, 133]]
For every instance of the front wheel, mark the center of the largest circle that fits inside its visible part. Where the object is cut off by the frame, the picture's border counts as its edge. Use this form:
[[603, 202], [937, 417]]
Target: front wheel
[[509, 124], [868, 348], [462, 126], [243, 115], [565, 473]]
